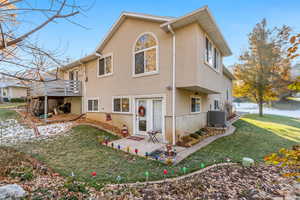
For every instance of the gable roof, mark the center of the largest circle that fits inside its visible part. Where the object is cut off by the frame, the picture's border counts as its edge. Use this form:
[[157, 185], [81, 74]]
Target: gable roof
[[202, 16], [122, 18], [205, 19]]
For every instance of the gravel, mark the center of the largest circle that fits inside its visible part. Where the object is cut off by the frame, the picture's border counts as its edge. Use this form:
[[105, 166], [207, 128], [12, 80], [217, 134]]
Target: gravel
[[12, 132]]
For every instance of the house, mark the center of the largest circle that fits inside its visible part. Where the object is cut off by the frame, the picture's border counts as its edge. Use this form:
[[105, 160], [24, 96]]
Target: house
[[154, 73], [12, 90]]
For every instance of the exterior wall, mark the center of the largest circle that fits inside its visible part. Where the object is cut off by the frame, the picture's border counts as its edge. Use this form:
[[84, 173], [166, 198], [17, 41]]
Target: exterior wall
[[190, 70], [76, 107], [17, 92]]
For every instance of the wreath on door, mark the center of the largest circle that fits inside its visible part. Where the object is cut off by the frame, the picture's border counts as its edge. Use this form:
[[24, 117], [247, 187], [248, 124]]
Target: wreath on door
[[142, 111]]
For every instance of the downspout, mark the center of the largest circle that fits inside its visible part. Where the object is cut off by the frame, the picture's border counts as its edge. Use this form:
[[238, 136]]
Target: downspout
[[173, 85]]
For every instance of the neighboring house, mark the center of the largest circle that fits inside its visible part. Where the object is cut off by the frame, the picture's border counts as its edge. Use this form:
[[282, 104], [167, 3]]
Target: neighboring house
[[295, 71], [129, 80], [12, 89]]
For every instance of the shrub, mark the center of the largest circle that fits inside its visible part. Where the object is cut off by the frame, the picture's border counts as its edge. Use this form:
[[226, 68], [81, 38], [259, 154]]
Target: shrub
[[194, 135], [17, 100], [200, 132]]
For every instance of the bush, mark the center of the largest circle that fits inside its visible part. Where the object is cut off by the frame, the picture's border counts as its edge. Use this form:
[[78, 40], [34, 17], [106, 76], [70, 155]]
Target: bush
[[200, 132], [17, 100], [74, 186], [194, 135]]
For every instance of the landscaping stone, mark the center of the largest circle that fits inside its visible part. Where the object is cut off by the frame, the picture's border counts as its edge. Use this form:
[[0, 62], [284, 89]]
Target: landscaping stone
[[247, 162], [12, 132], [12, 192]]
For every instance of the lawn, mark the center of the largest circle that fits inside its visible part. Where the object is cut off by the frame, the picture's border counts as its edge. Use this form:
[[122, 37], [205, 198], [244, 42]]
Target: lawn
[[11, 105], [7, 114], [79, 152]]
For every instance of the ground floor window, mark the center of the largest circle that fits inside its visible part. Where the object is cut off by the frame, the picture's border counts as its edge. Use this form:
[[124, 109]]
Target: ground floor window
[[93, 105], [121, 104], [216, 104], [195, 104]]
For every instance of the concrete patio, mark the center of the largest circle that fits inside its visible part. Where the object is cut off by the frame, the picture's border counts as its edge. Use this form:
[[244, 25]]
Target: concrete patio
[[145, 145]]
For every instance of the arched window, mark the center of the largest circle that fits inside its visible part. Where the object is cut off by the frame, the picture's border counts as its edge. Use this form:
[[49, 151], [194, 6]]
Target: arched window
[[145, 54]]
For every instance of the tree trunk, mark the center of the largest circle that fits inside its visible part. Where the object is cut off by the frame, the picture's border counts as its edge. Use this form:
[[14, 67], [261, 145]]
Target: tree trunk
[[260, 106]]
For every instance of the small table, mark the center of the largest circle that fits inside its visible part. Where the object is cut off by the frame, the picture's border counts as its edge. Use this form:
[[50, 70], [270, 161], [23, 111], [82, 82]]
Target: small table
[[152, 136]]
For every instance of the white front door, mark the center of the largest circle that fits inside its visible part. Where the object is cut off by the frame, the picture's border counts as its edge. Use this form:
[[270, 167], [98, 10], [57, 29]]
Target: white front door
[[149, 115]]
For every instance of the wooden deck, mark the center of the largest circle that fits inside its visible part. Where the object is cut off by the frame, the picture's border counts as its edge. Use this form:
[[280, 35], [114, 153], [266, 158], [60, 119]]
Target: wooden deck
[[58, 88]]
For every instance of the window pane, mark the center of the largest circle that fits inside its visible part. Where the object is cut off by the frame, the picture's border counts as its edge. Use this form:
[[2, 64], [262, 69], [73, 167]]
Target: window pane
[[196, 105], [95, 108], [151, 60], [125, 105], [90, 105], [145, 41], [117, 105], [108, 65], [215, 58], [139, 63], [101, 67], [207, 51]]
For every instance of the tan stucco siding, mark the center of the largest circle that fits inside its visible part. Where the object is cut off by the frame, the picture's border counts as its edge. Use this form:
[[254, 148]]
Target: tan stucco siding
[[76, 107], [121, 82], [17, 92]]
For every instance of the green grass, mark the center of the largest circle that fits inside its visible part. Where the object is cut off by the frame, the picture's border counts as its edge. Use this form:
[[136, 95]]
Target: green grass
[[80, 152], [7, 114], [11, 105]]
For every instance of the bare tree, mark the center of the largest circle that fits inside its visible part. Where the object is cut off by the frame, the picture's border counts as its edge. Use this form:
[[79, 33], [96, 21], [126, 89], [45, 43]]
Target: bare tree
[[20, 57]]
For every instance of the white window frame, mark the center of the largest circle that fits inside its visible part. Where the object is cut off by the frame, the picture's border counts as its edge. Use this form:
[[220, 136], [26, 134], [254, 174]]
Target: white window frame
[[5, 89], [195, 97], [92, 99], [121, 97], [112, 65], [144, 50], [219, 61], [216, 99]]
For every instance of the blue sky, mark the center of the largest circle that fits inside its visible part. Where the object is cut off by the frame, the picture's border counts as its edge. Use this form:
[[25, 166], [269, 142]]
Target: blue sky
[[236, 18]]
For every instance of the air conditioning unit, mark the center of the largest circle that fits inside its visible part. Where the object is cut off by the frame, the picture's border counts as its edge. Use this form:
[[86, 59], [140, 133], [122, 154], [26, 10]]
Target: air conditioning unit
[[216, 119]]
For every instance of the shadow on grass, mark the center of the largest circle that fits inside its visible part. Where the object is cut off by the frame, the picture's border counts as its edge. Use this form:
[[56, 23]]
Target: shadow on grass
[[289, 121]]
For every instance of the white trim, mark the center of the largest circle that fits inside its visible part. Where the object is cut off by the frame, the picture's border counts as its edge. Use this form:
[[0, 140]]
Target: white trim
[[195, 97], [121, 97], [112, 65], [164, 111], [144, 50], [87, 104], [219, 69]]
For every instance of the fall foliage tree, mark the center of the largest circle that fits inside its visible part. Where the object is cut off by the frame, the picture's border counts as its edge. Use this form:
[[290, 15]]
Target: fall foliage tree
[[20, 20], [293, 52], [263, 71]]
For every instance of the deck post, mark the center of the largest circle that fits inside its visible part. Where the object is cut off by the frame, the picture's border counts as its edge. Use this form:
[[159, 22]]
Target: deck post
[[46, 108]]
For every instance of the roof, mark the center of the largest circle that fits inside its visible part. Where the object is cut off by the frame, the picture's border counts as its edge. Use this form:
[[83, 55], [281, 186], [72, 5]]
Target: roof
[[122, 18], [11, 84], [202, 16], [205, 19], [227, 73]]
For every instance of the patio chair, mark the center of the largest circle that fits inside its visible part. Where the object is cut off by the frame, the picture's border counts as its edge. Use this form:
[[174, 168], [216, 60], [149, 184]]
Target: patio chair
[[152, 136]]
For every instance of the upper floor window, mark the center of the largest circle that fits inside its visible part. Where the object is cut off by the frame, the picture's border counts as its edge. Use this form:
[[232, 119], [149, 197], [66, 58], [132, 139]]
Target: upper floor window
[[208, 51], [145, 54], [105, 66], [212, 55], [216, 59], [73, 75]]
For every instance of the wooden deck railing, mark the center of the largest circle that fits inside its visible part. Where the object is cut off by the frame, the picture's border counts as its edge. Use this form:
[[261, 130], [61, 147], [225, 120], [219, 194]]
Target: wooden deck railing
[[56, 88]]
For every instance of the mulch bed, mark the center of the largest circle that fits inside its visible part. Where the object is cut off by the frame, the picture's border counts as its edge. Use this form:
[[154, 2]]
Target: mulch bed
[[227, 182], [223, 182]]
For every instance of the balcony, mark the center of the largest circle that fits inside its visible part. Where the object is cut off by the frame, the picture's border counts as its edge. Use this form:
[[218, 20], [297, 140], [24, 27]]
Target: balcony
[[58, 88]]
